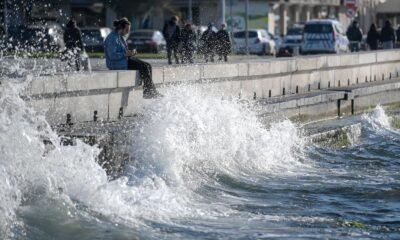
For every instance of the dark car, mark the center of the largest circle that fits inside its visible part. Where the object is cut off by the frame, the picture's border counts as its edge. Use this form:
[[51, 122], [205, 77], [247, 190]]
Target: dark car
[[36, 38], [93, 38], [148, 41]]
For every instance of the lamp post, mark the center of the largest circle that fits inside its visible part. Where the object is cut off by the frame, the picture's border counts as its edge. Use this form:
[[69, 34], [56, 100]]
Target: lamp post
[[247, 27], [190, 14], [5, 12]]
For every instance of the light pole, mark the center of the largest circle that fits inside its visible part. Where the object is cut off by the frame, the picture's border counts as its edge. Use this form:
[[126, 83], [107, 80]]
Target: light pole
[[5, 18], [223, 11], [247, 26], [190, 14]]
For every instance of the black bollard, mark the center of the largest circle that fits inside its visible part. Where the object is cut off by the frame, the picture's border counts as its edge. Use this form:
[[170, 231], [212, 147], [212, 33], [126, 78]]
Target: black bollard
[[120, 113]]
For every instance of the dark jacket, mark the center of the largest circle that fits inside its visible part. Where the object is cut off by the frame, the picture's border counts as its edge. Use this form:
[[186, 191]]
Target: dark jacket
[[223, 42], [171, 32], [372, 39], [188, 38], [354, 34], [73, 37], [208, 40], [387, 34]]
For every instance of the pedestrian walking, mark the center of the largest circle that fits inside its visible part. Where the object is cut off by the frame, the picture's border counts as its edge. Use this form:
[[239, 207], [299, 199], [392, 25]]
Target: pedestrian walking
[[171, 32], [223, 43], [74, 45], [354, 35], [189, 39], [119, 57], [373, 37], [388, 36], [208, 40]]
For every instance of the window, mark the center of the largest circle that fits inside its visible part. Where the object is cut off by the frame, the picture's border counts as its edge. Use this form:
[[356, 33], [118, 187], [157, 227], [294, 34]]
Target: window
[[318, 28], [242, 34]]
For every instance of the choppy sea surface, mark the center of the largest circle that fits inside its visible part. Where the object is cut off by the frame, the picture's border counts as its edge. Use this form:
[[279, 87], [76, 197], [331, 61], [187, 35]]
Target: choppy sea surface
[[204, 168]]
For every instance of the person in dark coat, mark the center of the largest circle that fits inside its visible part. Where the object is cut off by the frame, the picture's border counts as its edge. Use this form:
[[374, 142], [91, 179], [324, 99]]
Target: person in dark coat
[[373, 37], [388, 37], [73, 43], [208, 40], [172, 35], [354, 35], [188, 43], [223, 43]]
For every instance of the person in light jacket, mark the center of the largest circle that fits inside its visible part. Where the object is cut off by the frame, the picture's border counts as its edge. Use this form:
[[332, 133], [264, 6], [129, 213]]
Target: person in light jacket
[[119, 57]]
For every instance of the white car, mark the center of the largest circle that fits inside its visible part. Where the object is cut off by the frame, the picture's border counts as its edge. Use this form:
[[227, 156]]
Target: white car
[[259, 42], [324, 36]]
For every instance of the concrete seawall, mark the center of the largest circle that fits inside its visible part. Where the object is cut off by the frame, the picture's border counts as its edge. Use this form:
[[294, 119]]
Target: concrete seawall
[[314, 85]]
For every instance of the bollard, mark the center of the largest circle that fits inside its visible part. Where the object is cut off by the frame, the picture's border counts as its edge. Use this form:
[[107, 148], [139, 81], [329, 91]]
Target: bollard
[[297, 89], [95, 116], [283, 91], [319, 85], [255, 96], [309, 87], [269, 93], [348, 82], [339, 83], [329, 84], [69, 121], [120, 113]]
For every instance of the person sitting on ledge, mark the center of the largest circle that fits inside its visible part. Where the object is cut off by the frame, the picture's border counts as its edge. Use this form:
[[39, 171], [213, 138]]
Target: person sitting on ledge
[[119, 57]]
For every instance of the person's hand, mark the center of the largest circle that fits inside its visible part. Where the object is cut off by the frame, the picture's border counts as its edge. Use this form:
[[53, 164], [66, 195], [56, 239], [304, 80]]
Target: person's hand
[[134, 52], [129, 53]]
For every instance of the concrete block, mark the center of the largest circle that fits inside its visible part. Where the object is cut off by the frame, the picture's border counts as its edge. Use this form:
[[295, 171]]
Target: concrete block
[[367, 58], [82, 108], [44, 106], [315, 78], [333, 60], [36, 86], [220, 71], [387, 55], [278, 67], [243, 69], [90, 81], [262, 87], [226, 89], [158, 75], [285, 83], [327, 79], [135, 102], [306, 63], [247, 89], [182, 73], [299, 82], [342, 76], [322, 62], [291, 65], [115, 102], [259, 68], [346, 60], [127, 78]]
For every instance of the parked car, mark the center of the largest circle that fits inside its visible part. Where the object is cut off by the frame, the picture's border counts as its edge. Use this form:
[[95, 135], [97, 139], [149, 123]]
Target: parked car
[[324, 36], [291, 44], [47, 37], [259, 42], [150, 41], [93, 38]]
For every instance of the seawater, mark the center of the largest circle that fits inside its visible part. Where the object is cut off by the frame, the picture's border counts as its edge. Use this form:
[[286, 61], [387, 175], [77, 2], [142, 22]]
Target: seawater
[[203, 167]]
